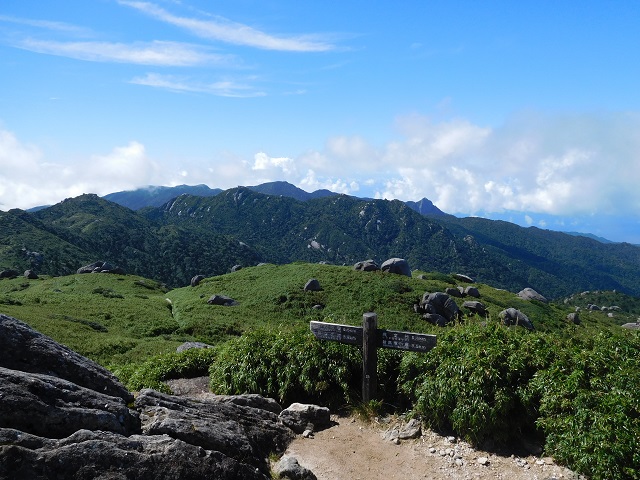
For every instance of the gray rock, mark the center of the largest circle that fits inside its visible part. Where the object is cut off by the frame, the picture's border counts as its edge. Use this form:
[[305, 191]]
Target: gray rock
[[24, 349], [408, 431], [8, 273], [248, 400], [512, 316], [100, 267], [472, 292], [476, 307], [235, 268], [298, 416], [53, 428], [574, 317], [531, 294], [366, 266], [441, 304], [632, 326], [221, 300], [463, 278], [244, 433], [190, 345], [49, 406], [195, 280], [398, 266], [454, 292], [288, 467], [105, 455], [30, 274], [312, 285], [435, 319]]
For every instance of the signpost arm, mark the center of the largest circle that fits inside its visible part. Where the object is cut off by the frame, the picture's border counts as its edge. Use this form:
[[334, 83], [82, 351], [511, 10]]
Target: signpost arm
[[369, 357]]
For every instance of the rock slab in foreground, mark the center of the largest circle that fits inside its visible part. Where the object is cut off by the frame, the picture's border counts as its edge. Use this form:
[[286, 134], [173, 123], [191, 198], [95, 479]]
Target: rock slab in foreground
[[26, 350], [54, 428], [105, 455]]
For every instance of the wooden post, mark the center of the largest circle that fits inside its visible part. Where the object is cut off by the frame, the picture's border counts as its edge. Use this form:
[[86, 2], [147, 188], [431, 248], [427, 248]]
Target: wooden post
[[369, 357]]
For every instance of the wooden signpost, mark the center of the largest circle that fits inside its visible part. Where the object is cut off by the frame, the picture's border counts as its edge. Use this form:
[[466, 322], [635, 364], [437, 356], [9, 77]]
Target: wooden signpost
[[371, 338]]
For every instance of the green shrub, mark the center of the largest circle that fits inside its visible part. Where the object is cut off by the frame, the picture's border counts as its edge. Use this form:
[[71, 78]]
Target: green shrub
[[152, 373], [590, 407], [290, 366], [475, 380]]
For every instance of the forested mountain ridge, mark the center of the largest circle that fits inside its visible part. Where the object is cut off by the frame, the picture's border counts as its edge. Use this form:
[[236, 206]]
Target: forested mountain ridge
[[208, 235]]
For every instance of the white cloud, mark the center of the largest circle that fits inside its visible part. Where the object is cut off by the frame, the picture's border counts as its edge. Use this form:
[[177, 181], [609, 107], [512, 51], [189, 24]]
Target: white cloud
[[312, 183], [126, 166], [28, 180], [155, 53], [47, 25], [569, 166], [561, 165], [264, 162], [175, 83], [231, 32]]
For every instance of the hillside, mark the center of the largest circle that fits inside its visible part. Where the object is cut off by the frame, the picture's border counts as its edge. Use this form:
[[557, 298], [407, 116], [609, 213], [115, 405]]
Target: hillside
[[118, 319], [192, 235], [557, 385]]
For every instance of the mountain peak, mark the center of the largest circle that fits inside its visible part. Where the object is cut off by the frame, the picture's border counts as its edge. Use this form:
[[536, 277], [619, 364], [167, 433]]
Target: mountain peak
[[425, 207]]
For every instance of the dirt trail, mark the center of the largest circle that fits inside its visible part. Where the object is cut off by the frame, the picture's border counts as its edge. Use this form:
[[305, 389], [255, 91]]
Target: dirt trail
[[352, 450]]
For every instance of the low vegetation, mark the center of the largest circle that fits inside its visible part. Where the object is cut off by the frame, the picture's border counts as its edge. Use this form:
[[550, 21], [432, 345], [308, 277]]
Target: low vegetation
[[572, 387]]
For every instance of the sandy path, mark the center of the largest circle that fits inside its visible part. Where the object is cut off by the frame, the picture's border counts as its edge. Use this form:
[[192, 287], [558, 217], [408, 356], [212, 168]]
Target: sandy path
[[352, 450]]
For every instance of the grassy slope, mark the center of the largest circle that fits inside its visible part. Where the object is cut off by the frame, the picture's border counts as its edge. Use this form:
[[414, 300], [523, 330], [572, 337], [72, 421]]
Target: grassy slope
[[116, 319], [109, 318]]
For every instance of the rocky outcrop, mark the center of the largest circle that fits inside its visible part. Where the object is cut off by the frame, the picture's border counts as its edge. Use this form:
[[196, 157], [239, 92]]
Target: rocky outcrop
[[476, 308], [24, 349], [189, 345], [366, 266], [463, 278], [398, 266], [300, 417], [53, 407], [195, 280], [222, 300], [472, 292], [241, 432], [312, 285], [30, 275], [531, 294], [438, 308], [51, 426], [8, 273], [289, 468], [512, 316], [454, 292], [104, 455], [101, 267]]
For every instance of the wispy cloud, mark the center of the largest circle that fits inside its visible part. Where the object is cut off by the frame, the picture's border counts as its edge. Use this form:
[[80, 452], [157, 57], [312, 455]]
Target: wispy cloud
[[235, 33], [155, 53], [224, 88], [48, 25]]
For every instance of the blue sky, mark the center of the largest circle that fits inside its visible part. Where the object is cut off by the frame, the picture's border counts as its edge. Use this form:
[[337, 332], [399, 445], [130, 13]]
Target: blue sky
[[527, 111]]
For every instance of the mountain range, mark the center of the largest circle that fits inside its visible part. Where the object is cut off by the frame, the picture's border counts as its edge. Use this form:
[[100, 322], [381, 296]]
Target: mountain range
[[173, 233]]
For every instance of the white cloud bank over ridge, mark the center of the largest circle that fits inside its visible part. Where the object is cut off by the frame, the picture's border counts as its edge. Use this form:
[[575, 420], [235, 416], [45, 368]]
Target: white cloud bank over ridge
[[572, 165]]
